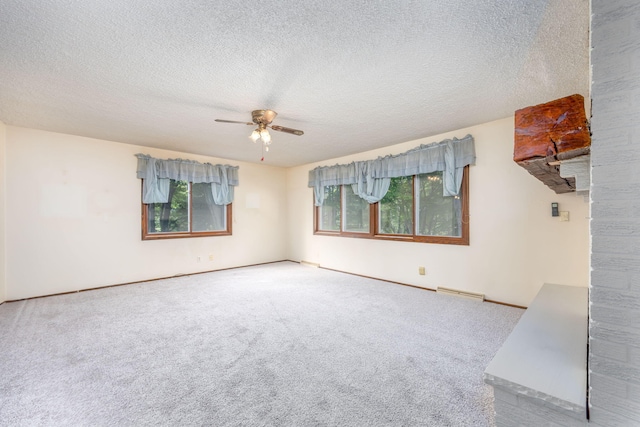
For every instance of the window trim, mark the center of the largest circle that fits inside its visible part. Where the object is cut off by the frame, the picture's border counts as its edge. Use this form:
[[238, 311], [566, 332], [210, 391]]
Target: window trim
[[181, 234], [373, 220]]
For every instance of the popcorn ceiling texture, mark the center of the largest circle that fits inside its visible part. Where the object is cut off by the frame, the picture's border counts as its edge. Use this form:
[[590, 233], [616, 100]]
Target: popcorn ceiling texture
[[353, 75]]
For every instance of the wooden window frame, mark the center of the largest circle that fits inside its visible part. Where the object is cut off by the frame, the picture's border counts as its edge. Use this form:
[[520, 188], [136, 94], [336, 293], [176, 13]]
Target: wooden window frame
[[182, 234], [373, 222]]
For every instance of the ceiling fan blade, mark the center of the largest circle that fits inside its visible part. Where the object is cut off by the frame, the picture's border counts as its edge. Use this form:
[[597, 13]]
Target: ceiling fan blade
[[233, 121], [287, 130]]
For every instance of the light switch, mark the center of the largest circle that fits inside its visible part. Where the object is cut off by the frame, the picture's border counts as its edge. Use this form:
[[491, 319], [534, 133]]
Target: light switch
[[564, 215]]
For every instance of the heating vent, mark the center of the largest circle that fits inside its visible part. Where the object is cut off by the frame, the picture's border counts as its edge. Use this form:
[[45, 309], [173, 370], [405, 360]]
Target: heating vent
[[465, 294]]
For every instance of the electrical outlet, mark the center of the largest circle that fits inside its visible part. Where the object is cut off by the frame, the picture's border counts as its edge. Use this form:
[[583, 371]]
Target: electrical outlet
[[210, 257], [564, 215], [421, 271]]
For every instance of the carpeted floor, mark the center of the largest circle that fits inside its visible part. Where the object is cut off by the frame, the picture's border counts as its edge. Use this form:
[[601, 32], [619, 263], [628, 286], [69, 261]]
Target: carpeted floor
[[273, 345]]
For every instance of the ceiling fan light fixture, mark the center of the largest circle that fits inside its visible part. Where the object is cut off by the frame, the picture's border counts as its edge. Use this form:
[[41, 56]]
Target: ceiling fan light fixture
[[263, 119], [266, 138]]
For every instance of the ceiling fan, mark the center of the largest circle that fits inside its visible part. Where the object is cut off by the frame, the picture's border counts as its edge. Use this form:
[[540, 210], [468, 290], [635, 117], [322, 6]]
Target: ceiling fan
[[263, 119]]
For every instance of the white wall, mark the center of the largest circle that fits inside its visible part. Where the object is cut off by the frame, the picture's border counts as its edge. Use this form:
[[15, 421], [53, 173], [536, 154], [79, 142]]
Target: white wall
[[73, 206], [516, 245], [73, 210], [3, 130]]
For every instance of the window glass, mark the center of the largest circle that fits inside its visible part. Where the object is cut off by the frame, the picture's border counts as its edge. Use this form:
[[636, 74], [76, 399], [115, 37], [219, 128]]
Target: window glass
[[172, 216], [330, 210], [413, 209], [396, 208], [356, 211], [207, 216], [190, 212], [437, 215]]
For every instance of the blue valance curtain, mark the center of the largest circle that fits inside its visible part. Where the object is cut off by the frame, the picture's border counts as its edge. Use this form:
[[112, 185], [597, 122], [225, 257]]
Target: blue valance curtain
[[156, 174], [370, 179]]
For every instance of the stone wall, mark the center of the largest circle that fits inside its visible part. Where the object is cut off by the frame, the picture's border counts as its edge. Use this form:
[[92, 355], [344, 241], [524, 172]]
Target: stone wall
[[615, 212]]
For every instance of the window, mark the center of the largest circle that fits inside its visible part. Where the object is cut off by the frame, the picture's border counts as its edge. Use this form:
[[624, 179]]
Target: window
[[420, 195], [395, 210], [330, 211], [190, 212], [436, 215], [185, 198], [356, 212], [413, 209]]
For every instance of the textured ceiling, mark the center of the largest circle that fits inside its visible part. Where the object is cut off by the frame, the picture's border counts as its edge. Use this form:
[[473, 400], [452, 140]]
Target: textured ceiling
[[354, 75]]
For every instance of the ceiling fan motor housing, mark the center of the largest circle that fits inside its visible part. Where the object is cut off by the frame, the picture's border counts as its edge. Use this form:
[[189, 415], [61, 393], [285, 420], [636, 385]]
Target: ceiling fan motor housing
[[264, 117]]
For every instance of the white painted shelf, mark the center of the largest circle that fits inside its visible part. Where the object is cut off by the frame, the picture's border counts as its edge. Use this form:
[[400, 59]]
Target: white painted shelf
[[545, 357]]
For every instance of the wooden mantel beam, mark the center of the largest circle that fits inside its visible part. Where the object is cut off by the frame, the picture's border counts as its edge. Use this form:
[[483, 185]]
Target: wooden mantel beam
[[548, 133]]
